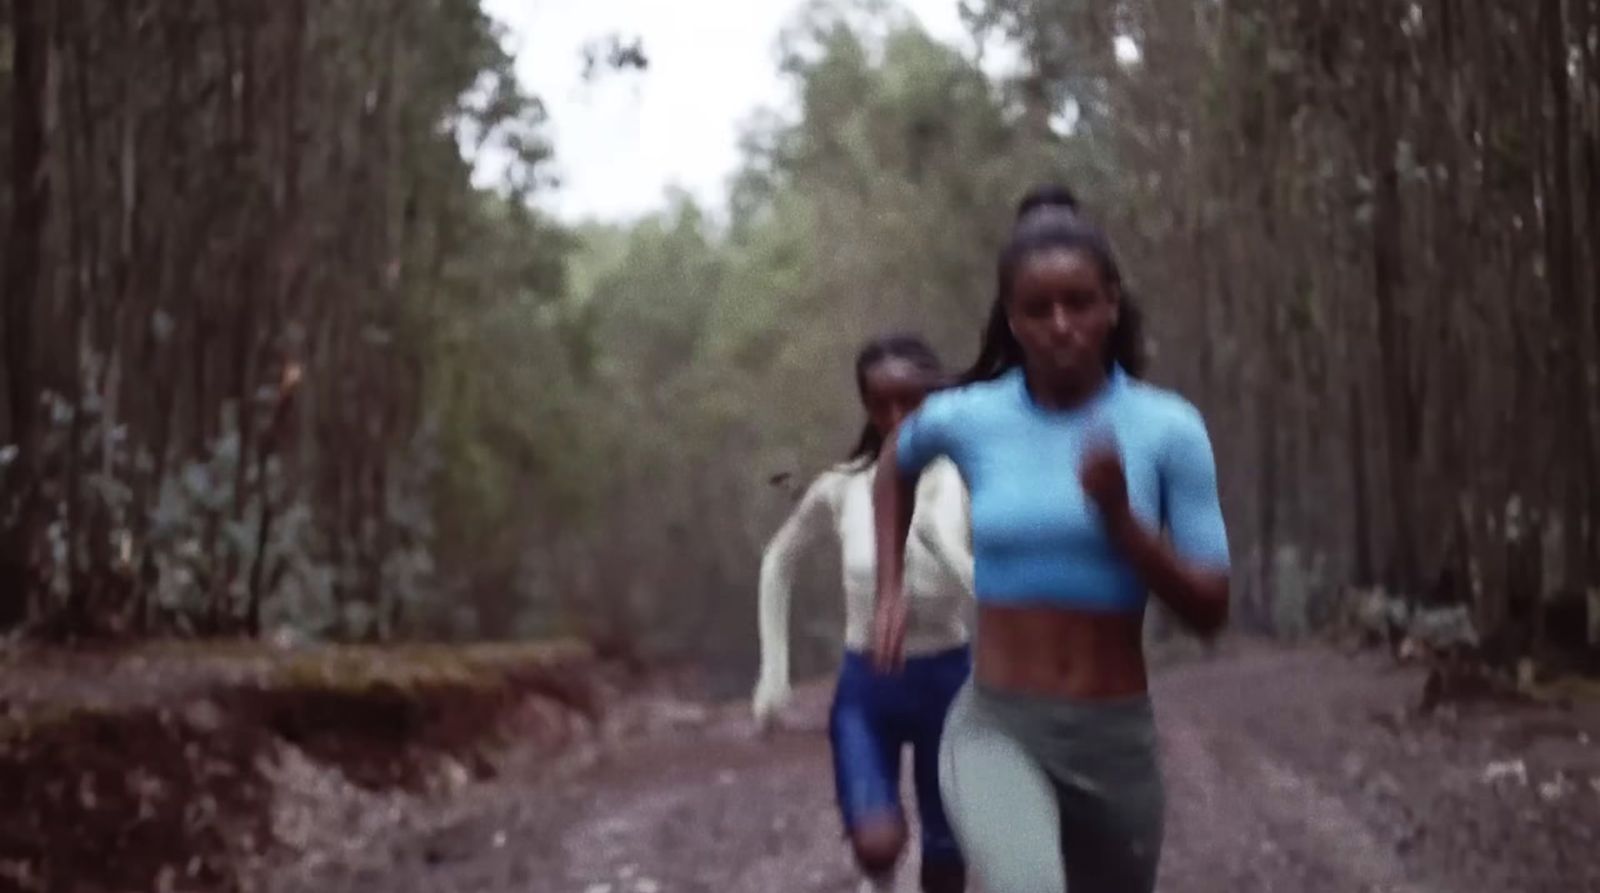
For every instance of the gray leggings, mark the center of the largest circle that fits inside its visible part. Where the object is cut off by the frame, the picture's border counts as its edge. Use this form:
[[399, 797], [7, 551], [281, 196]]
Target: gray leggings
[[1048, 795]]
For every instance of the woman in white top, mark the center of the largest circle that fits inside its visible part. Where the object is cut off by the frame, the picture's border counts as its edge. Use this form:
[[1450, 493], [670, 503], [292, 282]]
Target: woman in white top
[[874, 716]]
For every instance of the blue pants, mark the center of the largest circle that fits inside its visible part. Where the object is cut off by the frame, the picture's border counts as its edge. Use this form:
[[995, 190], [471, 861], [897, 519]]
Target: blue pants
[[874, 716]]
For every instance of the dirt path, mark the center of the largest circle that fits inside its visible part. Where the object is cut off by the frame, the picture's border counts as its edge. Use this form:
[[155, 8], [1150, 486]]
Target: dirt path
[[1286, 771]]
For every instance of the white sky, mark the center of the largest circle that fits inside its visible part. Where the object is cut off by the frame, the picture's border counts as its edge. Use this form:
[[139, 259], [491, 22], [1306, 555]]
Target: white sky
[[624, 140]]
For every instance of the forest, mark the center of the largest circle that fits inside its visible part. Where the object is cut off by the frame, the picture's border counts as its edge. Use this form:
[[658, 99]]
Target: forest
[[276, 364]]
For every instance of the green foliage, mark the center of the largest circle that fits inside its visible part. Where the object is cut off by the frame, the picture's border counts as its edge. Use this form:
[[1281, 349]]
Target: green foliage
[[295, 367], [723, 352]]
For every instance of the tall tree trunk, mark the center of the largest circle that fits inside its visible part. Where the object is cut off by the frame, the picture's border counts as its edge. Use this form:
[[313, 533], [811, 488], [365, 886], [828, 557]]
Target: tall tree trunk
[[1565, 302], [30, 190], [1387, 273], [1361, 531], [1592, 141]]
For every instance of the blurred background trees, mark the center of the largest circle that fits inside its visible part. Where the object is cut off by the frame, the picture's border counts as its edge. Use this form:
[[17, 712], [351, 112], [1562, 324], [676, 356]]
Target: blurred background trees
[[272, 360]]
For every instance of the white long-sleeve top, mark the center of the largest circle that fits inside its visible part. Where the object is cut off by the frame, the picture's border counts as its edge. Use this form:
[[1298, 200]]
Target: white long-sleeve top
[[938, 571]]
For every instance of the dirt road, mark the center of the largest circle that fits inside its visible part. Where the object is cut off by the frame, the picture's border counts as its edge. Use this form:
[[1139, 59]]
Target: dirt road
[[1286, 771]]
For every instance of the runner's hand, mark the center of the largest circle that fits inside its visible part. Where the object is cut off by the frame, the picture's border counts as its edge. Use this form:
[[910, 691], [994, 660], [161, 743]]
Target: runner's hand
[[889, 633], [767, 703], [1103, 479]]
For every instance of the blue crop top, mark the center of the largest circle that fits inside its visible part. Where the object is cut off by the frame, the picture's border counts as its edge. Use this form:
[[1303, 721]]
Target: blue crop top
[[1036, 536]]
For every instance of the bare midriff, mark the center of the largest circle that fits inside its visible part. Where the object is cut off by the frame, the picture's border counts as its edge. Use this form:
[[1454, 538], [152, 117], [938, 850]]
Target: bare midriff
[[1061, 652]]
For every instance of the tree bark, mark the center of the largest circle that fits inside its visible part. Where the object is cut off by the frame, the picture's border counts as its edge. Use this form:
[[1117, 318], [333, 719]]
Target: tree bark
[[30, 190], [1387, 283]]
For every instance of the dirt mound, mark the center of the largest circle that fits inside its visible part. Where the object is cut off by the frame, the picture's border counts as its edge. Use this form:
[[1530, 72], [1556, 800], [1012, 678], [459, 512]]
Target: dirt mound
[[143, 800], [181, 796]]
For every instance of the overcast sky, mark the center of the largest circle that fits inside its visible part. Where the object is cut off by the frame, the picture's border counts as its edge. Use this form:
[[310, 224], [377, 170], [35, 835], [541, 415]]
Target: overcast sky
[[620, 143]]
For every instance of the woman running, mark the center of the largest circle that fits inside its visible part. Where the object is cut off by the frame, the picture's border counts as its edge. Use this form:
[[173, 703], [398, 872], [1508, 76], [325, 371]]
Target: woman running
[[874, 716], [1049, 768]]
